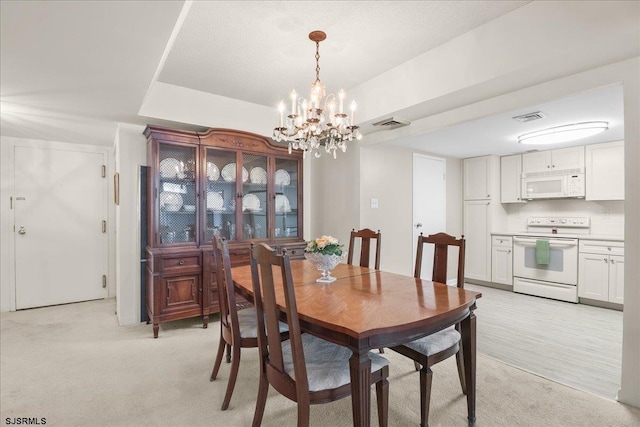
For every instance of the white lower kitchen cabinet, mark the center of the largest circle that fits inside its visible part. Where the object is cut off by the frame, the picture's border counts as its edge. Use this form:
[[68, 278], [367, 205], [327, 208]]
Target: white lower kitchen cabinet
[[616, 279], [502, 260], [601, 271]]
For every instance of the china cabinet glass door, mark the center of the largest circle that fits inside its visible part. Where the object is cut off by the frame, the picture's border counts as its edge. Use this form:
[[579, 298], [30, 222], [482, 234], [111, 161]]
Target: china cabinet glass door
[[255, 224], [177, 194], [220, 194], [286, 198]]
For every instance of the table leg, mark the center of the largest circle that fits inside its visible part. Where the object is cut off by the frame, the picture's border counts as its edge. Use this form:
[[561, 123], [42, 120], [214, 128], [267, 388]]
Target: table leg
[[360, 368], [468, 331]]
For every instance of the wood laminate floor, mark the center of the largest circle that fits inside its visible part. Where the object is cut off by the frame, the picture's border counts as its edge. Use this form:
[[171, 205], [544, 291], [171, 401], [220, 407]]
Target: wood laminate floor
[[573, 344]]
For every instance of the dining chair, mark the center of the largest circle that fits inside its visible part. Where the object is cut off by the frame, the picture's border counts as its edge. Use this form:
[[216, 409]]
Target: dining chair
[[434, 348], [237, 327], [366, 235], [305, 369]]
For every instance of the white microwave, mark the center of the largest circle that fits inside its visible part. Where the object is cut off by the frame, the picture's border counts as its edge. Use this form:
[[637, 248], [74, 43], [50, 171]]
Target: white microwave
[[554, 185]]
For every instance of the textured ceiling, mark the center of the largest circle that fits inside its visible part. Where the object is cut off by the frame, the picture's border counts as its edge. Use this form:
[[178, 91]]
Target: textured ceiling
[[259, 51], [71, 71]]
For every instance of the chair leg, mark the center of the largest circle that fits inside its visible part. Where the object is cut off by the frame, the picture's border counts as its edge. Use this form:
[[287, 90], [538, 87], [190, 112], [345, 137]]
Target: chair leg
[[228, 353], [235, 364], [303, 414], [263, 389], [381, 350], [416, 365], [216, 365], [382, 396], [460, 363], [425, 395]]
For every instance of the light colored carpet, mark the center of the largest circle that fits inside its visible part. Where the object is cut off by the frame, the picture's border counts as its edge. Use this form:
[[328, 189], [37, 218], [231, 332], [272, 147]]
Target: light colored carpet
[[74, 366]]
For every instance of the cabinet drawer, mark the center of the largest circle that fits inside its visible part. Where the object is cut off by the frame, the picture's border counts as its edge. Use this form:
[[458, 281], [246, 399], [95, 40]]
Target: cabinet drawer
[[176, 263], [603, 247], [506, 241], [295, 251]]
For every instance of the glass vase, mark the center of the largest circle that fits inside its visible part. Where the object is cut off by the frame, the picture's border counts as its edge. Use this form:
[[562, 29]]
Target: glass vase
[[325, 263]]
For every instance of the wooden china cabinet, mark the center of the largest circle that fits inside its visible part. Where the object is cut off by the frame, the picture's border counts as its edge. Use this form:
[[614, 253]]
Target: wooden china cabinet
[[230, 183]]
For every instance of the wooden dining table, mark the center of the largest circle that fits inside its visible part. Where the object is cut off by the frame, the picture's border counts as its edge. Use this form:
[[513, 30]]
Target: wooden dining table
[[366, 309]]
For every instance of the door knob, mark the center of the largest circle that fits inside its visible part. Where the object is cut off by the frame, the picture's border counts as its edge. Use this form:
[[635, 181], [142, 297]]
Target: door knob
[[419, 225], [21, 230]]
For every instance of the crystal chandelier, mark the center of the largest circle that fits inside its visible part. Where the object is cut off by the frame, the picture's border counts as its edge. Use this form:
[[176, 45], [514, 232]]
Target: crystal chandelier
[[314, 123]]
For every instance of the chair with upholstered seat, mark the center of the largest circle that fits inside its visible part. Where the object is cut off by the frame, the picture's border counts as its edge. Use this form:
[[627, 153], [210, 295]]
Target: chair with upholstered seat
[[237, 327], [366, 235], [305, 369], [434, 348]]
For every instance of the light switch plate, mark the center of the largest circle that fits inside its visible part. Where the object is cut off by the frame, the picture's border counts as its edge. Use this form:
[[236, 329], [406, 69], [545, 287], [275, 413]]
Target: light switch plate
[[374, 203]]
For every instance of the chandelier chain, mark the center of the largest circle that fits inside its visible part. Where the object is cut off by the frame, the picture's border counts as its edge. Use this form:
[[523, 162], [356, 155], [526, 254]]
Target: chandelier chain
[[317, 61]]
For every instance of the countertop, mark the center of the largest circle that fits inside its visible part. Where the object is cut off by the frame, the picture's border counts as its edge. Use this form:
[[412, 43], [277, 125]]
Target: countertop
[[615, 238]]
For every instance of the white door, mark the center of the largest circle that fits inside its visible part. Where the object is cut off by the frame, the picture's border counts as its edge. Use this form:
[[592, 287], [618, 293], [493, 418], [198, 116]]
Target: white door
[[429, 204], [60, 247]]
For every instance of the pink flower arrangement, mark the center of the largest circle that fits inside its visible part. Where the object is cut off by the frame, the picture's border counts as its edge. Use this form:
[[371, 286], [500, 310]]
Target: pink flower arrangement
[[325, 245]]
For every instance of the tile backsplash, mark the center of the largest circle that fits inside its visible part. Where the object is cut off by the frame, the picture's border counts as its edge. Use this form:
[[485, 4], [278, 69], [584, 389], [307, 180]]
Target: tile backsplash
[[607, 217]]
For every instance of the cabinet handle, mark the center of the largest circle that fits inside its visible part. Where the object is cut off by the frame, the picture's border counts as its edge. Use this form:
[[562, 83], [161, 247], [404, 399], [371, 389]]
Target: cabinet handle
[[608, 248], [509, 251], [605, 260], [488, 196], [612, 261], [548, 166], [181, 262]]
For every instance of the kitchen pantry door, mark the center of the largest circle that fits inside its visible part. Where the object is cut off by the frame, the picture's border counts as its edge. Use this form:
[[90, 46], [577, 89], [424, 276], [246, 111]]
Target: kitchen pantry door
[[60, 201], [429, 205]]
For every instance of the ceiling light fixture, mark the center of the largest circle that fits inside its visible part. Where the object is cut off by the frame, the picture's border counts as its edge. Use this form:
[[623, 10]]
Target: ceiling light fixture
[[310, 126], [565, 133]]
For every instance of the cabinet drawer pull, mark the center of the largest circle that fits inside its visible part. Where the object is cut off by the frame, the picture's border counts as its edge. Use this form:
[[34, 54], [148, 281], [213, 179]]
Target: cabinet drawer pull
[[181, 262]]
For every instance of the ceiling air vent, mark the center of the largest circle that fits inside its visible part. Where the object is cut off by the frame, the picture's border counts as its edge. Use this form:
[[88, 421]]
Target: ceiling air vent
[[392, 123], [529, 117]]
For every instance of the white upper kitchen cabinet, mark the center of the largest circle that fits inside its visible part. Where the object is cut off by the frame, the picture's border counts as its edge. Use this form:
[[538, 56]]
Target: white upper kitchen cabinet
[[560, 159], [480, 174], [510, 178], [605, 171]]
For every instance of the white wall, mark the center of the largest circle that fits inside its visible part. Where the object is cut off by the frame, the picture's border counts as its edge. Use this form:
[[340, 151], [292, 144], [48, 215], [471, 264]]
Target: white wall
[[386, 173], [130, 154], [7, 256], [630, 387], [335, 189]]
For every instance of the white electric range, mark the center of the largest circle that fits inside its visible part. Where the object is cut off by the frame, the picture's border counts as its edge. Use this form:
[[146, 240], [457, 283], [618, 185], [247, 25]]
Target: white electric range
[[558, 279]]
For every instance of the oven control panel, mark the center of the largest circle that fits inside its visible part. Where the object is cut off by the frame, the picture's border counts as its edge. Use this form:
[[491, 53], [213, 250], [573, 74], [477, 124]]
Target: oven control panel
[[568, 222]]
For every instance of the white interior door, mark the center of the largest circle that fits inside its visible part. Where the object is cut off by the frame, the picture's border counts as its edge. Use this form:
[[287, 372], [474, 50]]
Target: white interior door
[[429, 204], [60, 247]]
